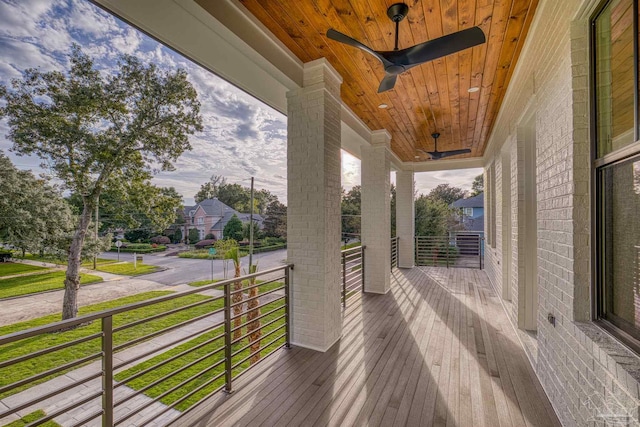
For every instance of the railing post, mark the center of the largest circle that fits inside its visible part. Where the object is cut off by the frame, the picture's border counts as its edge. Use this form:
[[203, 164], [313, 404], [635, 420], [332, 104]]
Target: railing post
[[344, 279], [447, 249], [227, 339], [362, 262], [480, 245], [107, 371], [287, 302]]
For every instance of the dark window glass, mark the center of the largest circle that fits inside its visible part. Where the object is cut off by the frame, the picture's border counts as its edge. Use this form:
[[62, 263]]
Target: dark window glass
[[617, 169], [620, 185]]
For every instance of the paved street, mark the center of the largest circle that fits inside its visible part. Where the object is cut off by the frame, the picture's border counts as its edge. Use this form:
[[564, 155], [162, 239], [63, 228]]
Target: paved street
[[185, 270], [178, 272]]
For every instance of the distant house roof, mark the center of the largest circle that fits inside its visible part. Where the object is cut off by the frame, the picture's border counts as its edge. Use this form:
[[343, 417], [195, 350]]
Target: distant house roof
[[474, 224], [211, 207], [244, 217], [471, 202]]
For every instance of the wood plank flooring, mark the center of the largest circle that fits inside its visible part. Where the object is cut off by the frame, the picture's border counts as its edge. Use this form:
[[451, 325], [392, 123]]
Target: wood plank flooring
[[437, 350]]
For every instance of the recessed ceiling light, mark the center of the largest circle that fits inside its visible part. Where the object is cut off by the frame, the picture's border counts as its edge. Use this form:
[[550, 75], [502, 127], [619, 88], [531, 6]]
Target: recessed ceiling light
[[383, 106], [417, 157], [473, 89]]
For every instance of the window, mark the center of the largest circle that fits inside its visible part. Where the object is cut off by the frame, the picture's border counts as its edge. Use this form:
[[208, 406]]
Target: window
[[617, 169], [467, 212], [200, 221]]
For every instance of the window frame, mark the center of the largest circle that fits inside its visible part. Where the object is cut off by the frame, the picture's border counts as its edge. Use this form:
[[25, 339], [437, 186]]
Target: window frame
[[619, 328]]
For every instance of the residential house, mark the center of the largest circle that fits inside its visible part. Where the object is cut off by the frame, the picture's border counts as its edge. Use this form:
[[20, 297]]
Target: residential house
[[210, 216], [471, 213]]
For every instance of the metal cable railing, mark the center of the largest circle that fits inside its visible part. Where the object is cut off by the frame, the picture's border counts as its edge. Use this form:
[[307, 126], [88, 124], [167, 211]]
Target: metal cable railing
[[352, 272], [203, 342], [449, 251]]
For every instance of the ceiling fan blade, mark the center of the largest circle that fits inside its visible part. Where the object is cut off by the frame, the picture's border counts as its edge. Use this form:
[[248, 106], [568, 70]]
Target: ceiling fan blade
[[343, 38], [387, 83], [454, 152], [436, 48]]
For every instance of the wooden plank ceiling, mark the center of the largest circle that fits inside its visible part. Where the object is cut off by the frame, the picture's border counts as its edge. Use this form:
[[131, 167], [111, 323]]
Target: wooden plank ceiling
[[428, 98]]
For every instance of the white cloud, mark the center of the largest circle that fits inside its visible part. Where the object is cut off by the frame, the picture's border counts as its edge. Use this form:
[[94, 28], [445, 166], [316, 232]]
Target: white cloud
[[427, 181], [242, 137]]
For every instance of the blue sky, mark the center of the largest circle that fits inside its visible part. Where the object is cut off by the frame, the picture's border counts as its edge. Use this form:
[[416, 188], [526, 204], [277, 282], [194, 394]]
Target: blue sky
[[242, 137]]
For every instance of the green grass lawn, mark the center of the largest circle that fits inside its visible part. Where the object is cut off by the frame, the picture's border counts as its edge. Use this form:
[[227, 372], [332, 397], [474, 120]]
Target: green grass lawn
[[126, 269], [10, 268], [174, 366], [24, 285], [43, 363], [262, 289], [61, 261], [31, 418], [101, 261], [204, 254]]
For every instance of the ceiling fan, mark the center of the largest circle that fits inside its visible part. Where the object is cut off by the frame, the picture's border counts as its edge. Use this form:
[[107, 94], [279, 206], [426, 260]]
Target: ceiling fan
[[398, 61], [437, 155]]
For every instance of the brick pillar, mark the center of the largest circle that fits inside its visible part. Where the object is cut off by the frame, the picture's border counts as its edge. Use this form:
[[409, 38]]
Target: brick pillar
[[313, 198], [376, 212], [405, 218]]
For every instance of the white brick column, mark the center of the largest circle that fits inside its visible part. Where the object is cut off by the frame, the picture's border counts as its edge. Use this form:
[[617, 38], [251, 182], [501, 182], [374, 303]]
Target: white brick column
[[376, 212], [405, 218], [313, 197]]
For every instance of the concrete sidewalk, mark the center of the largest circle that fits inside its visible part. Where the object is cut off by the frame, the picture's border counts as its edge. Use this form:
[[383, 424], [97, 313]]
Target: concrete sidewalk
[[42, 304]]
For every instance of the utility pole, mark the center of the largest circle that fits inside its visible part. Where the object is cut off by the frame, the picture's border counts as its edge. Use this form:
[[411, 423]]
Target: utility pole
[[251, 228], [95, 256]]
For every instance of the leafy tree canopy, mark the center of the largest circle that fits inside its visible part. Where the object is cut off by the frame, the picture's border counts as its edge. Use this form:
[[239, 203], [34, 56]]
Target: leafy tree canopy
[[233, 229], [95, 130], [33, 215], [446, 193], [351, 211], [432, 216], [477, 186], [209, 189], [275, 223], [235, 196]]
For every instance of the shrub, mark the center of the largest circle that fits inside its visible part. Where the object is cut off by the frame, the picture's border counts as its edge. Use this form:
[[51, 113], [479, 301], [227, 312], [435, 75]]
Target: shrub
[[194, 236], [160, 240], [210, 236], [177, 236]]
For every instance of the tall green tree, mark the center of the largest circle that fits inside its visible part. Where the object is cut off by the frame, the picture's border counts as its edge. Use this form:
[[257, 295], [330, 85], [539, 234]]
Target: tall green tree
[[446, 193], [275, 222], [432, 216], [33, 215], [235, 196], [351, 212], [233, 229], [94, 129], [209, 189], [477, 186], [136, 205]]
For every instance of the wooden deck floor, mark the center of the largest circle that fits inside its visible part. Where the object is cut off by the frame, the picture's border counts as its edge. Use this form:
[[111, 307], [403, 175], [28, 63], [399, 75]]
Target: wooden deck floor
[[435, 351]]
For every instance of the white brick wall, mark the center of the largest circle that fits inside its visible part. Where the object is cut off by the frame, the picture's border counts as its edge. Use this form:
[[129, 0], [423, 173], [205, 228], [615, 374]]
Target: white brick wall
[[313, 193], [584, 371], [376, 212], [405, 218]]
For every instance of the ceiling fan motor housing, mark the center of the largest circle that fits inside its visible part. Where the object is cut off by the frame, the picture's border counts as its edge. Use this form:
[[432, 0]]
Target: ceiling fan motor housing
[[397, 12]]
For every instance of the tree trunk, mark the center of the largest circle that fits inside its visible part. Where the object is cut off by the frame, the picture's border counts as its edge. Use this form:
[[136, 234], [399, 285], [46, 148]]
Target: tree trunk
[[237, 298], [253, 326], [72, 278]]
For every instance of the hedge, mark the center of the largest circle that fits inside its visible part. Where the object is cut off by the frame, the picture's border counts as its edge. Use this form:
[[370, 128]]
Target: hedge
[[148, 250]]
